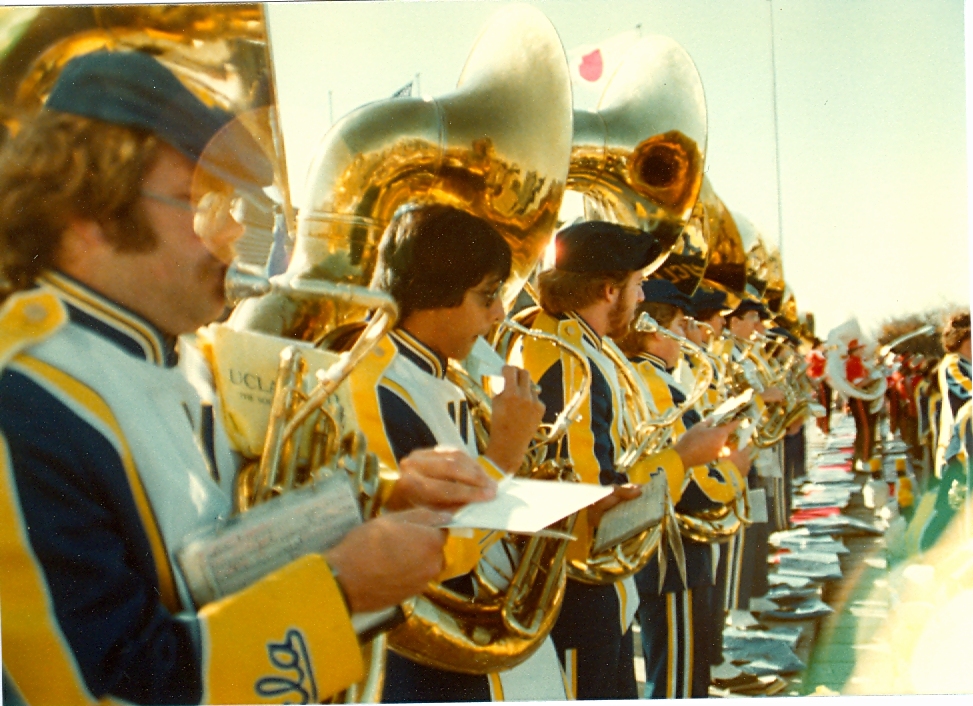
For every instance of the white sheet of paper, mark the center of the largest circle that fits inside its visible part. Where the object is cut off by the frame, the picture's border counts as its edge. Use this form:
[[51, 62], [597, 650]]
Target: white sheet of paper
[[730, 407], [528, 506]]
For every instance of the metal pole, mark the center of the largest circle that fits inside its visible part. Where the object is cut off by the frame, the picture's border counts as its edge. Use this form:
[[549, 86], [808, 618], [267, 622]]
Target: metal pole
[[780, 207]]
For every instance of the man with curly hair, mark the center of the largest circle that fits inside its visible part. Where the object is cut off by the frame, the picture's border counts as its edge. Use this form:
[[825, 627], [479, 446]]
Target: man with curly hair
[[114, 232]]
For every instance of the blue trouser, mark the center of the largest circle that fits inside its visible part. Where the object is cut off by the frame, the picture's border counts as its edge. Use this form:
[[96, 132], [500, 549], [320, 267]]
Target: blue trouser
[[410, 682], [677, 643], [598, 660]]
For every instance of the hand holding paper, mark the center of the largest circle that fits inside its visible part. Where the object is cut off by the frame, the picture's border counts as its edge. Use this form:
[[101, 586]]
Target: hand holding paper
[[524, 506]]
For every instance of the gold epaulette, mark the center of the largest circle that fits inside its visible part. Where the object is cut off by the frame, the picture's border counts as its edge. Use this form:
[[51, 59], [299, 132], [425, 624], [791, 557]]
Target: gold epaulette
[[27, 318]]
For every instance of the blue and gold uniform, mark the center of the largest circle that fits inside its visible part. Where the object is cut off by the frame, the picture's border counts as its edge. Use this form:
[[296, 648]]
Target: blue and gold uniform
[[956, 386], [404, 402], [592, 633], [104, 472], [680, 633]]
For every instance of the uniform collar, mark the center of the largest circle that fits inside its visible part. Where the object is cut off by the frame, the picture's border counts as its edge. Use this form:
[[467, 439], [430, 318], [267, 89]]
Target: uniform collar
[[113, 322], [587, 332], [654, 359], [419, 353]]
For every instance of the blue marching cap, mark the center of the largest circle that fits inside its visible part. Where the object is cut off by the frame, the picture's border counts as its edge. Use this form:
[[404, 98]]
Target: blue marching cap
[[133, 89], [751, 305], [781, 332], [705, 299], [662, 291], [598, 246]]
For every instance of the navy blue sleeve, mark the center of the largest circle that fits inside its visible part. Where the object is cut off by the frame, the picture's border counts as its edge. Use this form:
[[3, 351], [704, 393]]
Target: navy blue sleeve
[[404, 428], [602, 414], [552, 395], [84, 527]]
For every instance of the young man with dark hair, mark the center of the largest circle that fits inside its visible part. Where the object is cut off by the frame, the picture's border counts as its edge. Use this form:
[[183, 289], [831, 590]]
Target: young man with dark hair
[[446, 269], [591, 294], [106, 260], [681, 632]]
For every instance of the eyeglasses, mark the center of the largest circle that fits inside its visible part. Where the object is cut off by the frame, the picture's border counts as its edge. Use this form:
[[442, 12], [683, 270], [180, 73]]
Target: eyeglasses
[[490, 298], [209, 213]]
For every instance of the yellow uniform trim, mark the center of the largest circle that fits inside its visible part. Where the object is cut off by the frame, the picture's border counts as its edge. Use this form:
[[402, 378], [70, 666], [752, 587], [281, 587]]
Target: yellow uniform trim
[[720, 492], [399, 390], [87, 398], [673, 645], [622, 604], [26, 318], [538, 357], [571, 674], [285, 637], [364, 381], [108, 314], [956, 373], [496, 687], [667, 461], [671, 463], [491, 468], [688, 652], [461, 554], [35, 652]]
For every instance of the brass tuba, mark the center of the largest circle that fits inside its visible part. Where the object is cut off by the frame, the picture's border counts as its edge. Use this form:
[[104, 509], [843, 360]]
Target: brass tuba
[[220, 52], [498, 146], [638, 161]]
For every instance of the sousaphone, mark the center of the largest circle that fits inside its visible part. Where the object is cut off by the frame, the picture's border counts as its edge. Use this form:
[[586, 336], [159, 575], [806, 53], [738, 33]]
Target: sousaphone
[[498, 147], [637, 160]]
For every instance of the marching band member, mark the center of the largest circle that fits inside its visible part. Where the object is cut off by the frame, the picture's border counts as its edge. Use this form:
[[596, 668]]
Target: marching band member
[[681, 632], [793, 444], [910, 411], [445, 269], [591, 294], [746, 560], [858, 376], [709, 307], [102, 464], [815, 371], [930, 409], [922, 388], [955, 384]]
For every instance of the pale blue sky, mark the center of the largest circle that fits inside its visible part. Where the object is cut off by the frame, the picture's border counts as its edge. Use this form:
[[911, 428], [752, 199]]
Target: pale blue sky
[[870, 107]]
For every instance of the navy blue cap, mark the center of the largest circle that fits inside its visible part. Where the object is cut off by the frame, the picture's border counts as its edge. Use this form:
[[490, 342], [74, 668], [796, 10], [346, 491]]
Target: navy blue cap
[[751, 305], [782, 332], [662, 291], [705, 299], [597, 246], [134, 90]]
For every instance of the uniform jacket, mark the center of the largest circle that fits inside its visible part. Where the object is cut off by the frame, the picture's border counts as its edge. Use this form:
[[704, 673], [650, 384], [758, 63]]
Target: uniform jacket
[[706, 487], [593, 442], [105, 471], [955, 386], [404, 402]]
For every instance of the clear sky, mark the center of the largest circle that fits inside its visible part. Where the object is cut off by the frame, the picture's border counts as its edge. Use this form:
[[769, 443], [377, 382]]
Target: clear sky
[[869, 136]]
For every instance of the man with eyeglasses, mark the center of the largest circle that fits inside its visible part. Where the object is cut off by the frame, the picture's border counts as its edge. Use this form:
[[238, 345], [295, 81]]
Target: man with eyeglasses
[[114, 232], [445, 269]]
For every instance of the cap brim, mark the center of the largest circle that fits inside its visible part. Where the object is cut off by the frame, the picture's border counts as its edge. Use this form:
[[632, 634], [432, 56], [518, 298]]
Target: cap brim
[[233, 155]]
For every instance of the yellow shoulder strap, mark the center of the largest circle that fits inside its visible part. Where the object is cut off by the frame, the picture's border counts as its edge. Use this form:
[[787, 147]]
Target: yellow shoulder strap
[[27, 318]]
